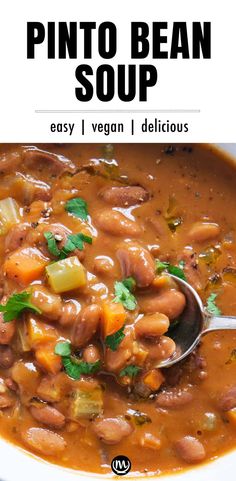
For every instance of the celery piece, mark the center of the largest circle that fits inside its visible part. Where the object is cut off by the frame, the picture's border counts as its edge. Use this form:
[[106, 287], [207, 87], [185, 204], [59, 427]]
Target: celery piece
[[66, 275], [9, 214], [86, 403]]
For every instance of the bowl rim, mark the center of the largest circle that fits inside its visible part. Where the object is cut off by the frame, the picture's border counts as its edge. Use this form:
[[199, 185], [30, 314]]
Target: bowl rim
[[16, 460]]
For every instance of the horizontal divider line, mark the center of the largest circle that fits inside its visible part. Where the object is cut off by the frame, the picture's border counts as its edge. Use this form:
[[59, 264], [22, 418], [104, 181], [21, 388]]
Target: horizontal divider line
[[121, 111]]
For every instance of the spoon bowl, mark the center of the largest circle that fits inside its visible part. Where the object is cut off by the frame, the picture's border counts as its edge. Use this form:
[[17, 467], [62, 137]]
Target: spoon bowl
[[193, 323]]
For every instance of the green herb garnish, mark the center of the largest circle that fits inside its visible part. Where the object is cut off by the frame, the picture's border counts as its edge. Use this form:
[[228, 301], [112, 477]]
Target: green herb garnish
[[211, 306], [74, 241], [174, 270], [113, 340], [130, 283], [123, 294], [52, 244], [130, 371], [77, 207], [16, 304], [74, 367]]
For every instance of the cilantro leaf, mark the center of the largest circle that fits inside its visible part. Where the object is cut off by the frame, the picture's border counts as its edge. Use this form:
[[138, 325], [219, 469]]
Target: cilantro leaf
[[113, 340], [160, 266], [77, 207], [52, 244], [130, 371], [211, 306], [74, 241], [130, 283], [174, 270], [16, 304], [63, 349], [75, 368], [123, 295]]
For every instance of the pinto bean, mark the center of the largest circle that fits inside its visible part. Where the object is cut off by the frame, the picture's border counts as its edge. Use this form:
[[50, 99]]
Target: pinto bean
[[169, 302], [87, 325], [174, 398], [35, 190], [136, 261], [115, 223], [191, 268], [103, 265], [6, 398], [227, 400], [91, 354], [16, 236], [49, 304], [203, 231], [152, 325], [69, 312], [7, 330], [190, 449], [10, 161], [160, 349], [44, 441], [49, 416], [124, 196], [33, 157], [6, 357], [116, 360], [112, 430]]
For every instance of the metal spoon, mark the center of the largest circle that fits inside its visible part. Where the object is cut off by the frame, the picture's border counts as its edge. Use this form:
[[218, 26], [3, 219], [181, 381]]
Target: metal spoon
[[193, 323]]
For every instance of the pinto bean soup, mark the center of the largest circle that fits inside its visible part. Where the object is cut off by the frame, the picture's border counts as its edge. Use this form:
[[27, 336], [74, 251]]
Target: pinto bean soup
[[88, 237]]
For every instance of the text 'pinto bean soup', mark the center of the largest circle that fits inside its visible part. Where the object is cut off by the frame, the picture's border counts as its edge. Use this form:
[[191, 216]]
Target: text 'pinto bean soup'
[[88, 237]]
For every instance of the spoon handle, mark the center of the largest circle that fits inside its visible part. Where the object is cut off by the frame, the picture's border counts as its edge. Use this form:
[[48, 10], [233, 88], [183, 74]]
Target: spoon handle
[[220, 322]]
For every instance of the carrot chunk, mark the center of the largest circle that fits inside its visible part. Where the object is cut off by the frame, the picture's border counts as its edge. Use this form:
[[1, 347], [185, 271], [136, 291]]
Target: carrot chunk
[[39, 332], [113, 317], [25, 265], [153, 379], [47, 359]]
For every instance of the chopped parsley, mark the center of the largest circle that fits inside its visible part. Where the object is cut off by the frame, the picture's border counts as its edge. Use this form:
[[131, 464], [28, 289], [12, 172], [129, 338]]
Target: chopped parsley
[[74, 367], [174, 270], [52, 244], [74, 241], [113, 340], [130, 371], [130, 283], [211, 306], [16, 304], [77, 207], [124, 295]]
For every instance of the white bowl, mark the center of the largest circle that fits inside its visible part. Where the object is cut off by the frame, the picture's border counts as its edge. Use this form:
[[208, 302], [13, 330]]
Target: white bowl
[[17, 463]]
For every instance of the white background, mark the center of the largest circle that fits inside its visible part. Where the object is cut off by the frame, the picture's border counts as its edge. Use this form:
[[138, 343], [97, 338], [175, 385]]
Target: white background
[[29, 85]]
